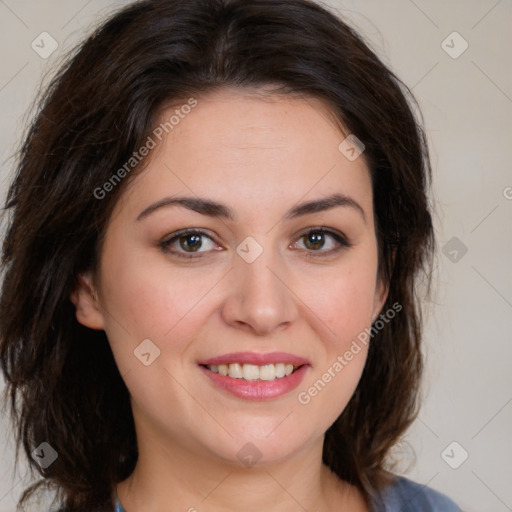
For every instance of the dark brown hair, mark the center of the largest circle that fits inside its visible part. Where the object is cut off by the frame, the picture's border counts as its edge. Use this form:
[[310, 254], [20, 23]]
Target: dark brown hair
[[63, 385]]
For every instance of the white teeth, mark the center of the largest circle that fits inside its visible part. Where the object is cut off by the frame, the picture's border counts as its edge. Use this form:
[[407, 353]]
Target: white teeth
[[280, 370], [267, 372], [249, 372], [252, 371], [235, 371]]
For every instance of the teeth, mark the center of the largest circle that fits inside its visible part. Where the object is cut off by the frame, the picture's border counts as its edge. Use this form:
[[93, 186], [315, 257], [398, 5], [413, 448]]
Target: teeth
[[252, 371]]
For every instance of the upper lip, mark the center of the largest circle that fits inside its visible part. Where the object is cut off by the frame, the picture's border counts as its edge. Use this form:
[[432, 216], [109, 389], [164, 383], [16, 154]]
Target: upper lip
[[256, 359]]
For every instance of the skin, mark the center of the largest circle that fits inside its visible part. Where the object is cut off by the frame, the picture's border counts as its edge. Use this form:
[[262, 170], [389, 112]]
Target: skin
[[260, 155]]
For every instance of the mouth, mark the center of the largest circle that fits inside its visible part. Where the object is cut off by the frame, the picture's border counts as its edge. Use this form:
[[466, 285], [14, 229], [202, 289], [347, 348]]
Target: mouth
[[252, 372], [253, 377]]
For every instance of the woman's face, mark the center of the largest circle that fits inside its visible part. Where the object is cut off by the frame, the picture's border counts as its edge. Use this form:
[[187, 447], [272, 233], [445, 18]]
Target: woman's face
[[246, 279]]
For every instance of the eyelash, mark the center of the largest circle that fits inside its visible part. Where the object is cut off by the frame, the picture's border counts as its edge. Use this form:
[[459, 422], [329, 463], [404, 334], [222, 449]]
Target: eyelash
[[342, 241]]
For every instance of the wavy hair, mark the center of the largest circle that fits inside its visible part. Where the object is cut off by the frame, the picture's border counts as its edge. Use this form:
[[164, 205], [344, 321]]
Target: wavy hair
[[62, 383]]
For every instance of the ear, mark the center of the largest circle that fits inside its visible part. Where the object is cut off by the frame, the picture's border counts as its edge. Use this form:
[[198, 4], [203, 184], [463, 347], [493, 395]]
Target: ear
[[381, 294], [85, 298]]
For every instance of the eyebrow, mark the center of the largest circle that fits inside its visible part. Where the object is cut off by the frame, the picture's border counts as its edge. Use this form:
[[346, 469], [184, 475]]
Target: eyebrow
[[218, 210]]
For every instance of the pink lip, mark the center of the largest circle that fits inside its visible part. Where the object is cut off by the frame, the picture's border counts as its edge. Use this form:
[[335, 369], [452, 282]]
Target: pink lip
[[257, 359], [257, 389]]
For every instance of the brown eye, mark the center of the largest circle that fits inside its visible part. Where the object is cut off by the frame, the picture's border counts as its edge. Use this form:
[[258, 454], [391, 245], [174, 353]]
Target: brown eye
[[193, 242], [317, 239], [186, 243]]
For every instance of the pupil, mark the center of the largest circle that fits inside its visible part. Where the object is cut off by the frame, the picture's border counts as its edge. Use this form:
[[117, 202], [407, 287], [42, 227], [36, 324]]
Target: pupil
[[196, 243], [316, 239]]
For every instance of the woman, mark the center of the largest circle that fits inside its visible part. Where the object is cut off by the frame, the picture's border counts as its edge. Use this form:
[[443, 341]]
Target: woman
[[217, 222]]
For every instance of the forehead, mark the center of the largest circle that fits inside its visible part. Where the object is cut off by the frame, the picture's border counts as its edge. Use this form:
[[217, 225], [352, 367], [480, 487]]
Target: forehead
[[252, 147], [236, 121]]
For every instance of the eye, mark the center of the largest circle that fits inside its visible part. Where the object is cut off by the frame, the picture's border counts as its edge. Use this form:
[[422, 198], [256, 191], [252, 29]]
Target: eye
[[316, 239], [187, 242]]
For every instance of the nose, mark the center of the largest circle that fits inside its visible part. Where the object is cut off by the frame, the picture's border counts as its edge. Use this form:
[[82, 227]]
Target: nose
[[260, 299]]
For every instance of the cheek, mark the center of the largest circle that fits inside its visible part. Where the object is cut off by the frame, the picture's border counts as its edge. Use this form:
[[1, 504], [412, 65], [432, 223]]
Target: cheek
[[345, 306], [153, 300], [343, 299]]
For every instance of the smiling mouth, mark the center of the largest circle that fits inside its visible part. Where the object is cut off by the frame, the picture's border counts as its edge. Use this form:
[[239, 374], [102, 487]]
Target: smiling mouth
[[252, 372]]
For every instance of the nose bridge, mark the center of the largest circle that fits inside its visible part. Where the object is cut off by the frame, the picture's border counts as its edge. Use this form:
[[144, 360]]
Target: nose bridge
[[259, 297], [257, 271]]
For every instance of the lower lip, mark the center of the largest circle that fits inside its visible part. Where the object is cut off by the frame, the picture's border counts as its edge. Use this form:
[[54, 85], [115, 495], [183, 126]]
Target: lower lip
[[257, 390]]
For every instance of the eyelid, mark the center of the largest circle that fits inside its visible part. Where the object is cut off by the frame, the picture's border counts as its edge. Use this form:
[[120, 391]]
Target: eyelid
[[187, 231]]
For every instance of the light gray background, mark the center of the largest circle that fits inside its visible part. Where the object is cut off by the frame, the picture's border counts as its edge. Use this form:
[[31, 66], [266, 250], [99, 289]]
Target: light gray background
[[467, 104]]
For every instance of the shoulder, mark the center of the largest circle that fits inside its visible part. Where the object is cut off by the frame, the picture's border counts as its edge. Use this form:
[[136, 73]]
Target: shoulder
[[404, 495]]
